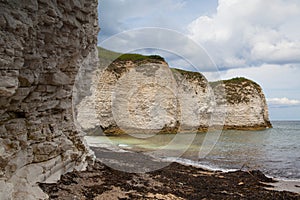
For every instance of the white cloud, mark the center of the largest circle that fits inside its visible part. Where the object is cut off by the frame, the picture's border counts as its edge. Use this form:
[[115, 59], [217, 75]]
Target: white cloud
[[182, 51], [270, 76], [282, 102], [243, 33]]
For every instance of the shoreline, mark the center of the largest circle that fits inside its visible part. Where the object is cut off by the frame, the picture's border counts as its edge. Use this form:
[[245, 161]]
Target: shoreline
[[285, 185], [108, 144], [280, 184], [116, 131], [174, 181]]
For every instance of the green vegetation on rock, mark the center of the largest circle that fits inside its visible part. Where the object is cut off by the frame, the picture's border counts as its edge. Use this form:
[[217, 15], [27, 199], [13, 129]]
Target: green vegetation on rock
[[188, 74], [238, 81], [138, 57], [111, 55], [107, 54], [237, 90]]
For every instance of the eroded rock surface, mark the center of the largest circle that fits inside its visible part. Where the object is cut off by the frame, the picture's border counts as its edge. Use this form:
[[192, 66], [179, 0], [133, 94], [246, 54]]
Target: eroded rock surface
[[140, 94], [42, 46], [245, 104], [146, 96]]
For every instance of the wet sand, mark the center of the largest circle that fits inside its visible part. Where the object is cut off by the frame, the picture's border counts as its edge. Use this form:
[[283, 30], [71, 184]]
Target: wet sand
[[286, 185], [175, 181]]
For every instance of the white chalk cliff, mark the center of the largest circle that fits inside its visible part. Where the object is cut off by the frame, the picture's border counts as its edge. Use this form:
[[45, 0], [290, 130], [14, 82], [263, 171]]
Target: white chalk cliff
[[246, 107], [145, 95]]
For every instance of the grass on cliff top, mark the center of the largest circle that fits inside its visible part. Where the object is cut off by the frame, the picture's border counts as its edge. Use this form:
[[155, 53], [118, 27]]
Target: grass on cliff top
[[233, 94], [111, 55], [107, 54], [188, 74], [237, 80], [231, 83]]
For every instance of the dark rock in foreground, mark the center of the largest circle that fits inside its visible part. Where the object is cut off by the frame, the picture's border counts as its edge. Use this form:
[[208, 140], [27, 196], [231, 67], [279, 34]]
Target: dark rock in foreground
[[175, 181]]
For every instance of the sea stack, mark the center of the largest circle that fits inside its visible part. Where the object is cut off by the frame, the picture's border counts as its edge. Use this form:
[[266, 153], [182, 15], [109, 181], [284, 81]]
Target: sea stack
[[245, 104]]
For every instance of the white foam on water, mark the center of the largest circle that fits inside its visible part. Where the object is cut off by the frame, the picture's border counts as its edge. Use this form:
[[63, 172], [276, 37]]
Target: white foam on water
[[285, 185], [104, 142], [282, 184], [193, 163]]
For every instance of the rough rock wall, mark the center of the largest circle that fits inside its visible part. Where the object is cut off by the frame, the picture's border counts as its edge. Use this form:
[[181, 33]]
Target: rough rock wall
[[196, 100], [43, 43], [143, 97]]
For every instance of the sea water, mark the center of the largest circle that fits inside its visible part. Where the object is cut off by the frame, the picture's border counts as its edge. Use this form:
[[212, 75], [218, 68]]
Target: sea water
[[275, 151]]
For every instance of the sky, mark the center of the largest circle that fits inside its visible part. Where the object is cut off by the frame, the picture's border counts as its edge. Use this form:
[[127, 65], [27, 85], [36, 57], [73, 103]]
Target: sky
[[257, 39]]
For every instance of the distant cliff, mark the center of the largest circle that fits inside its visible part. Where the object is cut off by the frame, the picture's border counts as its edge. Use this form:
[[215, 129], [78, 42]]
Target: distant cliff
[[136, 93], [246, 107]]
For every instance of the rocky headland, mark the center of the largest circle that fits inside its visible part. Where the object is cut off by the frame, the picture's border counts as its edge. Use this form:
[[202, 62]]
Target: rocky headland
[[137, 93]]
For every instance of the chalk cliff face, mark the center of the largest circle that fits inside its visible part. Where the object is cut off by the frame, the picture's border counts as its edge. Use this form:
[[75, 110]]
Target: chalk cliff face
[[245, 104], [195, 100], [145, 95], [141, 99], [43, 43]]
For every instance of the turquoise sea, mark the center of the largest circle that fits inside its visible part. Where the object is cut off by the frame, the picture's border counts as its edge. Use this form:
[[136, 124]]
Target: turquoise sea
[[274, 151]]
